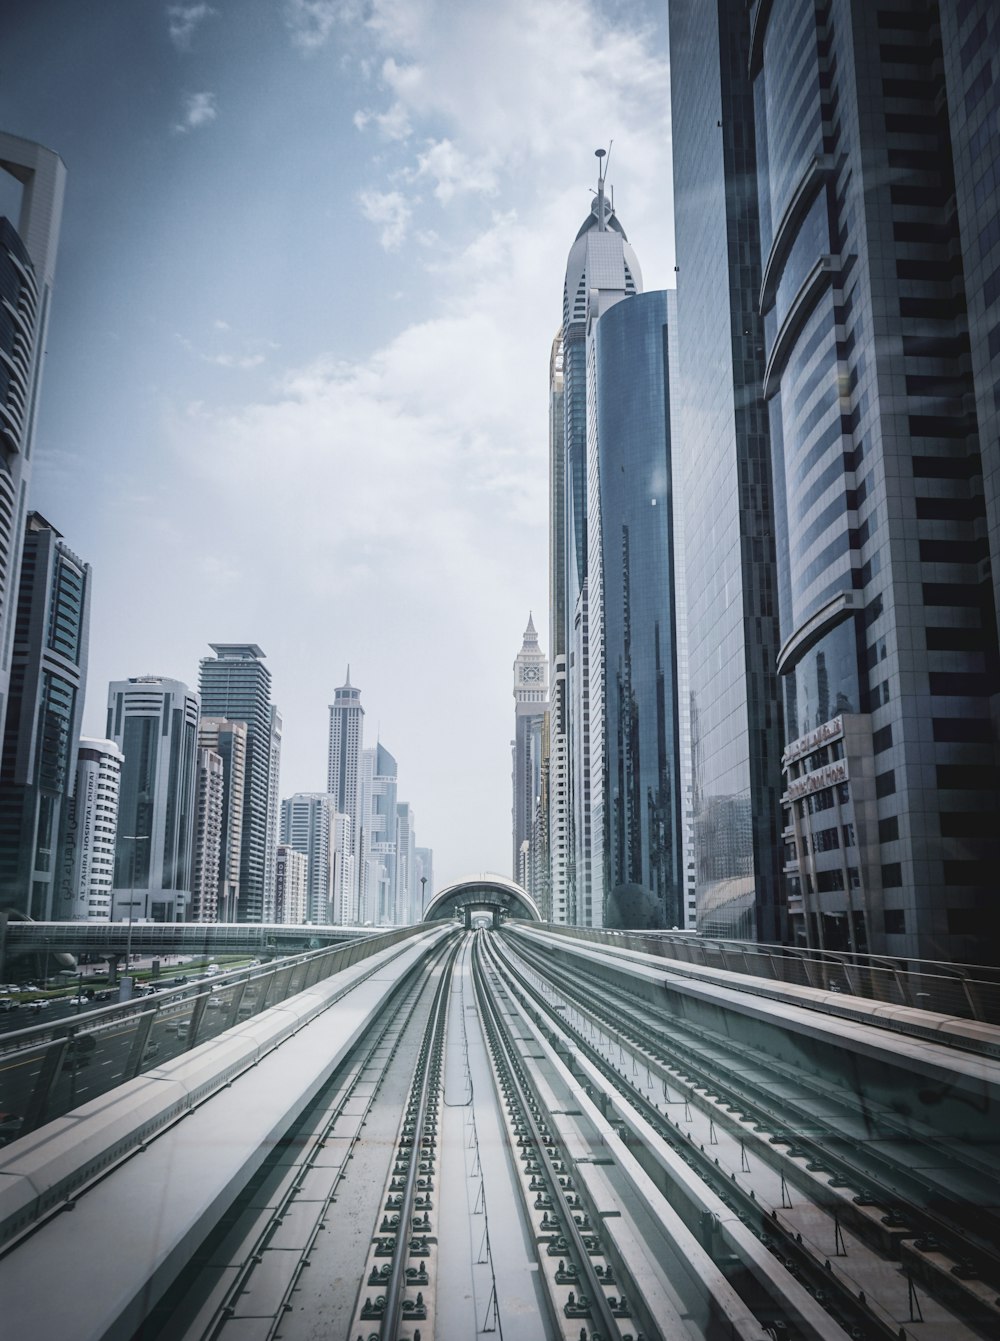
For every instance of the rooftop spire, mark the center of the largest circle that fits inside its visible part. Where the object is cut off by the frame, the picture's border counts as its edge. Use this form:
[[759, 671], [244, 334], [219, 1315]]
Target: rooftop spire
[[602, 172], [600, 154]]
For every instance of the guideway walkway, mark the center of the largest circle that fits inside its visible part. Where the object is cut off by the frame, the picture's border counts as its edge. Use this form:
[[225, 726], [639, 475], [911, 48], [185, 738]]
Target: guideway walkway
[[485, 1254]]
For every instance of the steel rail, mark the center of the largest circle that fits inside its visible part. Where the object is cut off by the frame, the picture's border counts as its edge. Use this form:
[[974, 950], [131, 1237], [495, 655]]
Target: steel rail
[[751, 1210], [251, 1251], [430, 1070], [519, 1083], [876, 1169]]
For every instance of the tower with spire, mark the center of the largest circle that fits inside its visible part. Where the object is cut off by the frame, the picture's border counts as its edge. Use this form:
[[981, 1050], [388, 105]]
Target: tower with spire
[[531, 705], [601, 270], [345, 745]]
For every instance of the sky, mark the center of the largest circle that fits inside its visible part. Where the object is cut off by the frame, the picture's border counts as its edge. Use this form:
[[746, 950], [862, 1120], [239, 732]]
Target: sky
[[296, 386]]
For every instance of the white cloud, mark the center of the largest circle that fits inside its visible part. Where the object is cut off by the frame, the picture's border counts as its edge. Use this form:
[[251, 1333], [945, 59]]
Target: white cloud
[[251, 355], [197, 109], [391, 211], [393, 124], [389, 505], [512, 99], [234, 360], [182, 20], [453, 173], [312, 21]]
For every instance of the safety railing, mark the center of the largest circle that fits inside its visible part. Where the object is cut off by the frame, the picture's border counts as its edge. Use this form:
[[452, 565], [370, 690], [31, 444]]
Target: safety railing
[[968, 991], [50, 1068]]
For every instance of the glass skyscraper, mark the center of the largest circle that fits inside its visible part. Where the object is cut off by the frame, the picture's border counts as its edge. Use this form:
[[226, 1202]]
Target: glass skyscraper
[[47, 686], [600, 271], [634, 706], [868, 137], [154, 722], [28, 248], [731, 575]]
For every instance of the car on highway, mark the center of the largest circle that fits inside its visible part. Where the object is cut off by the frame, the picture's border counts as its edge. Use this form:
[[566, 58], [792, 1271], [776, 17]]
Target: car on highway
[[215, 1003], [8, 1003]]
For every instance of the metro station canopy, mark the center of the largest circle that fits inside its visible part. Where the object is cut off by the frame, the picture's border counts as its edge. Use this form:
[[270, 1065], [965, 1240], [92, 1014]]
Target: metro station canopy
[[483, 891]]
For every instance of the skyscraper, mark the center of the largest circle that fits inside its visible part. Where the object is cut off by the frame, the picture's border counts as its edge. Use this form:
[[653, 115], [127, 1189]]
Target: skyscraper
[[407, 900], [291, 885], [47, 685], [378, 819], [154, 722], [228, 739], [309, 825], [636, 780], [600, 271], [731, 577], [970, 38], [209, 811], [531, 702], [236, 684], [874, 174], [27, 267], [273, 815], [89, 853], [344, 753], [556, 780]]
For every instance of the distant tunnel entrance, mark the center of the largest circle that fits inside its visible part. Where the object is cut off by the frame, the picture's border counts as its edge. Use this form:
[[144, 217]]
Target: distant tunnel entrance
[[492, 895]]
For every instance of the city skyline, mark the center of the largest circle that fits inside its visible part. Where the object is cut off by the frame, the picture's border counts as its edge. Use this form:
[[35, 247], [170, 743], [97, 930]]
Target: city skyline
[[191, 385]]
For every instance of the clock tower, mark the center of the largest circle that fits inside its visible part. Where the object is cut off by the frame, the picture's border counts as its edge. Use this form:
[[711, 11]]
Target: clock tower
[[531, 700], [530, 669]]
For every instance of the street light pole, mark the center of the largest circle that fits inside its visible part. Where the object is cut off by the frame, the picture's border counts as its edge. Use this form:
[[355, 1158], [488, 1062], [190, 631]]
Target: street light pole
[[133, 838]]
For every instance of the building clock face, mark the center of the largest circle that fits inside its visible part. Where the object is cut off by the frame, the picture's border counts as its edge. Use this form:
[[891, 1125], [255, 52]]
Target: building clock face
[[531, 674]]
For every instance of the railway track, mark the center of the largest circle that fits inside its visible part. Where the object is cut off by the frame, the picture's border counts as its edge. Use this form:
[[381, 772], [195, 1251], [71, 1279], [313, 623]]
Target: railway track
[[805, 1196], [646, 1177], [273, 1234], [396, 1298], [617, 1260]]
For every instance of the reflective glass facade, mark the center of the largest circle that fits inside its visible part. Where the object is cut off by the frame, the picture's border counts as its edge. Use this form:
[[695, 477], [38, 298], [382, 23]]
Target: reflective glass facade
[[154, 722], [47, 686], [881, 468], [601, 270], [641, 776], [731, 577], [28, 248]]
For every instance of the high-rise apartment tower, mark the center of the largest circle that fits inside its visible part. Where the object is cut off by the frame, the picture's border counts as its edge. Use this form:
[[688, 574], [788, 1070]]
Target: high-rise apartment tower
[[236, 684], [154, 722]]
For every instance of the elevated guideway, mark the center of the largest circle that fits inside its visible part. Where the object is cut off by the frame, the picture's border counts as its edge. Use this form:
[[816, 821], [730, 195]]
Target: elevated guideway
[[114, 939], [663, 1147]]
